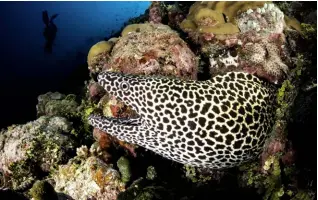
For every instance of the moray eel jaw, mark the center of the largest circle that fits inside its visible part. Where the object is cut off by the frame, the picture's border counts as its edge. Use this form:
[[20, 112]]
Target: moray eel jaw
[[219, 123]]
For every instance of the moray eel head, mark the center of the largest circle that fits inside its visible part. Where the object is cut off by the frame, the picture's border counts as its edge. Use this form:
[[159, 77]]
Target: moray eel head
[[127, 88]]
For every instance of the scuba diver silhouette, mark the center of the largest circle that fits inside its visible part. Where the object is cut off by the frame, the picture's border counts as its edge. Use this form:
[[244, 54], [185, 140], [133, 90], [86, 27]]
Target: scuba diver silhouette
[[49, 31]]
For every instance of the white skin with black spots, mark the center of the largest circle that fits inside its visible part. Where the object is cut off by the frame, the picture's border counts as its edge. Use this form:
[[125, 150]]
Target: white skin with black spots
[[215, 124]]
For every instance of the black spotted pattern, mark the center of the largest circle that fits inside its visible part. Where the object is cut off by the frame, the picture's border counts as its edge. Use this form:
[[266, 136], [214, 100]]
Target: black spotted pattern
[[218, 123]]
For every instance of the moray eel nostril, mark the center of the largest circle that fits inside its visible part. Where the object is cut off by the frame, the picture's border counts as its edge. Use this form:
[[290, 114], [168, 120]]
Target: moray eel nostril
[[219, 123]]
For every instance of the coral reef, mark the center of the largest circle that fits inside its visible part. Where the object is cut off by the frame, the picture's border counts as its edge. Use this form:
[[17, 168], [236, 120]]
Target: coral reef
[[57, 104], [156, 12], [263, 20], [211, 22], [263, 57], [140, 189], [55, 156], [86, 176], [153, 49], [259, 47], [98, 55], [37, 146], [95, 91], [176, 14], [151, 173]]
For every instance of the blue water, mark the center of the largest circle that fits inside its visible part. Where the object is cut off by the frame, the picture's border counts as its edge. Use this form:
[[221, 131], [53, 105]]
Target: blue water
[[26, 71]]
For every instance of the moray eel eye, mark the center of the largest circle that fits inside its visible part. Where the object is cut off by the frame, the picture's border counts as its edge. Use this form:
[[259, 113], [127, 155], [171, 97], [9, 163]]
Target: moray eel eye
[[124, 86]]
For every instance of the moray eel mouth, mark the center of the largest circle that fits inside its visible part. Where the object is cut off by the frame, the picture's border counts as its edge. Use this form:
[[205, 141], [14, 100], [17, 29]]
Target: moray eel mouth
[[218, 123]]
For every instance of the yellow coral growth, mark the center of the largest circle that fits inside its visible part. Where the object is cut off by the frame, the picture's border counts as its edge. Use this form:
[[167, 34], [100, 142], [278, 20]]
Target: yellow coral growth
[[227, 28], [98, 48], [293, 22], [188, 24], [102, 177], [204, 13], [230, 8], [113, 40], [134, 28], [217, 17]]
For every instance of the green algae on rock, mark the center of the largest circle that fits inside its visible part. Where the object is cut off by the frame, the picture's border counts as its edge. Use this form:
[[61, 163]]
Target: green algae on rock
[[124, 169], [151, 173], [57, 104], [42, 190]]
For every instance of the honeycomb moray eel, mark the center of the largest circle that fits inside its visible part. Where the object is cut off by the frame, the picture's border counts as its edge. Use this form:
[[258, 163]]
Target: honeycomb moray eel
[[215, 124]]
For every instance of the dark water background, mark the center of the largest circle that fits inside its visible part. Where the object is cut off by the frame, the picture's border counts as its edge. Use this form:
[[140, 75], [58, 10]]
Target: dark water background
[[26, 71]]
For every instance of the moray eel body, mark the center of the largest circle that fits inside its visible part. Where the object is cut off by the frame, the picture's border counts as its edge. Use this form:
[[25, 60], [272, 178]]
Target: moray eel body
[[218, 123]]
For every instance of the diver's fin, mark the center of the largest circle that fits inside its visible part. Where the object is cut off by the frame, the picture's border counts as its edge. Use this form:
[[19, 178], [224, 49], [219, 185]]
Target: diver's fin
[[53, 17], [45, 18]]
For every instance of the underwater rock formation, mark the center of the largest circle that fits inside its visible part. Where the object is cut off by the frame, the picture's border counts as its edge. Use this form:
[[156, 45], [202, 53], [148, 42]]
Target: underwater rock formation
[[86, 176], [205, 22], [263, 56], [37, 146], [249, 39], [156, 12], [98, 56], [263, 20], [57, 104], [95, 91], [153, 49]]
